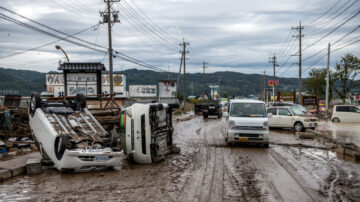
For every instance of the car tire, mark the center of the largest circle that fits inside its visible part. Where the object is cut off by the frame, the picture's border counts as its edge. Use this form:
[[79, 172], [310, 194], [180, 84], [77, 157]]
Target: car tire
[[60, 146], [299, 127], [81, 100], [114, 139], [205, 116], [266, 145], [35, 102], [335, 120]]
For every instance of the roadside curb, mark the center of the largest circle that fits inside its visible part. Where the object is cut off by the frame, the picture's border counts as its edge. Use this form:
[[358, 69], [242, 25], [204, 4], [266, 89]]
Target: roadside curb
[[15, 167], [342, 148]]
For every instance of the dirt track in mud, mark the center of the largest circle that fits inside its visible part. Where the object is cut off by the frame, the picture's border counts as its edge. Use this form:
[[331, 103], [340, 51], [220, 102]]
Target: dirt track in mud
[[206, 170]]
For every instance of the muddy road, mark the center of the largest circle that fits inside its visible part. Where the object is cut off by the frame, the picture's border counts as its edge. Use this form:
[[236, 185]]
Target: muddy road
[[206, 170]]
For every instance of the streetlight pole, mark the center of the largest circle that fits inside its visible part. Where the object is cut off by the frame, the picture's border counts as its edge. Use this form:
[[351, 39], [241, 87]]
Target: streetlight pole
[[59, 48]]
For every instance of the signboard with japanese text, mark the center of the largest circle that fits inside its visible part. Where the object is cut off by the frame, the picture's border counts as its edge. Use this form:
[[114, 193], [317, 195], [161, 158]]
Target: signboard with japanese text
[[167, 89], [142, 91], [55, 84], [81, 83], [309, 100]]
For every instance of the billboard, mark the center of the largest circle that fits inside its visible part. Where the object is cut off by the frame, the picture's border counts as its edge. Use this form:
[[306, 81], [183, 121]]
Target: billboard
[[142, 91], [84, 83], [167, 89], [119, 84], [55, 84]]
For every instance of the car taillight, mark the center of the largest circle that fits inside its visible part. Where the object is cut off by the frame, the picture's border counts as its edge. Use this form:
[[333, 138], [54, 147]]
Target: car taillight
[[122, 120]]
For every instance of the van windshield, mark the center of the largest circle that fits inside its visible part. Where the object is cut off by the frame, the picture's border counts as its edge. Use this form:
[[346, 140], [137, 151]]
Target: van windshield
[[248, 110]]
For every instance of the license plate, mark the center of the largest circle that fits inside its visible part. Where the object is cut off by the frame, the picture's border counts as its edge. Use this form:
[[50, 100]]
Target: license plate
[[101, 158], [313, 124], [211, 107], [243, 139]]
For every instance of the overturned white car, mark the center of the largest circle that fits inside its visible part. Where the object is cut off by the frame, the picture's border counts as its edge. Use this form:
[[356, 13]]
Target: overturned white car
[[146, 132], [70, 137]]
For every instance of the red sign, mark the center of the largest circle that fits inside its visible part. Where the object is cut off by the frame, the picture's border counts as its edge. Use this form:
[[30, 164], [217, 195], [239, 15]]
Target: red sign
[[276, 82], [271, 82]]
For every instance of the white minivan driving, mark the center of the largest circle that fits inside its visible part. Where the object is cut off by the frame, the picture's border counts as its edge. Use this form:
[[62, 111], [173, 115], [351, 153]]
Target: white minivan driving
[[247, 122]]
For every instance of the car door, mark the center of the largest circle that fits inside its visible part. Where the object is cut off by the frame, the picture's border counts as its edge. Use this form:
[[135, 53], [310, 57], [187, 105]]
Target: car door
[[273, 120], [285, 118], [342, 112], [354, 114]]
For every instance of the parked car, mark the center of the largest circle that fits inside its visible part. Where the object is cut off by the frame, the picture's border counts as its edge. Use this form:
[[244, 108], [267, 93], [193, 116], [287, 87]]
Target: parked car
[[211, 108], [346, 113], [69, 137], [146, 132], [291, 117], [224, 105], [247, 122]]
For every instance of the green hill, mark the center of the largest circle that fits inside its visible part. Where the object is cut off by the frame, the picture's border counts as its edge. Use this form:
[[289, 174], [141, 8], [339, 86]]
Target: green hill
[[232, 83], [23, 82]]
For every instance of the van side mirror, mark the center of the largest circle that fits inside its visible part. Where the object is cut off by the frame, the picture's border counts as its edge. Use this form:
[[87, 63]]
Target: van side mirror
[[270, 115]]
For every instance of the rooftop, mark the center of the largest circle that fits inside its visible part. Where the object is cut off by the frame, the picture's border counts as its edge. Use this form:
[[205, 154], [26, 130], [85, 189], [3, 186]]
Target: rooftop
[[93, 66]]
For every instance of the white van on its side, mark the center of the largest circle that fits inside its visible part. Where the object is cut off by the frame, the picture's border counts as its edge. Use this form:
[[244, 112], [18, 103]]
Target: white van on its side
[[247, 122]]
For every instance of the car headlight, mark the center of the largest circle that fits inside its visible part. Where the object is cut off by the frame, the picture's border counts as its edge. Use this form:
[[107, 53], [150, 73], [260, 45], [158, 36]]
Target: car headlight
[[307, 120], [232, 124], [266, 125]]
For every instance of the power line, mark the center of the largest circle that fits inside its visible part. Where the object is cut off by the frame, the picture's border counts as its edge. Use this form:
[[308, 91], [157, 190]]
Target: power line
[[160, 28], [329, 19], [148, 31], [151, 23], [332, 31], [47, 44], [324, 13], [119, 54]]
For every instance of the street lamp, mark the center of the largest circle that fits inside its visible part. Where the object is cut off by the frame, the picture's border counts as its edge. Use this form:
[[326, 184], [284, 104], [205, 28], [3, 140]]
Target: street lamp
[[59, 48]]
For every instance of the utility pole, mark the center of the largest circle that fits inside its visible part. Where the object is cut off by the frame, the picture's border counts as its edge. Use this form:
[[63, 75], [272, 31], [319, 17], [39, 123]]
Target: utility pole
[[184, 51], [264, 83], [178, 79], [203, 90], [213, 87], [300, 36], [273, 61], [327, 84], [110, 21]]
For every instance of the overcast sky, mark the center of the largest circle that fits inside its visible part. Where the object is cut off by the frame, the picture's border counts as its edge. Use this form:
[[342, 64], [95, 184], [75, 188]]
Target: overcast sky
[[231, 35]]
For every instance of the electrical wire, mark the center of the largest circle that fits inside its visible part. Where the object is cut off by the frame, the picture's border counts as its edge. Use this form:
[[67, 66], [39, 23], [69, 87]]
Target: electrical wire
[[119, 54]]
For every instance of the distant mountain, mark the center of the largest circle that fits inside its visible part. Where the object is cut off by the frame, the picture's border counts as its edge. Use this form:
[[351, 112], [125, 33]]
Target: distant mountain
[[23, 82], [231, 83]]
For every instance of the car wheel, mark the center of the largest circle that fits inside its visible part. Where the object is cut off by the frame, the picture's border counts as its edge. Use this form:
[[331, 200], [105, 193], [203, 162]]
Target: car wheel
[[335, 120], [60, 146], [81, 100], [205, 116], [266, 145], [35, 102], [299, 127], [114, 139]]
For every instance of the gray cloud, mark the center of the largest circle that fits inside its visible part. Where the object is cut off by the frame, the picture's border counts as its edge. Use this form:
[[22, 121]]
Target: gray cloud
[[232, 35]]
